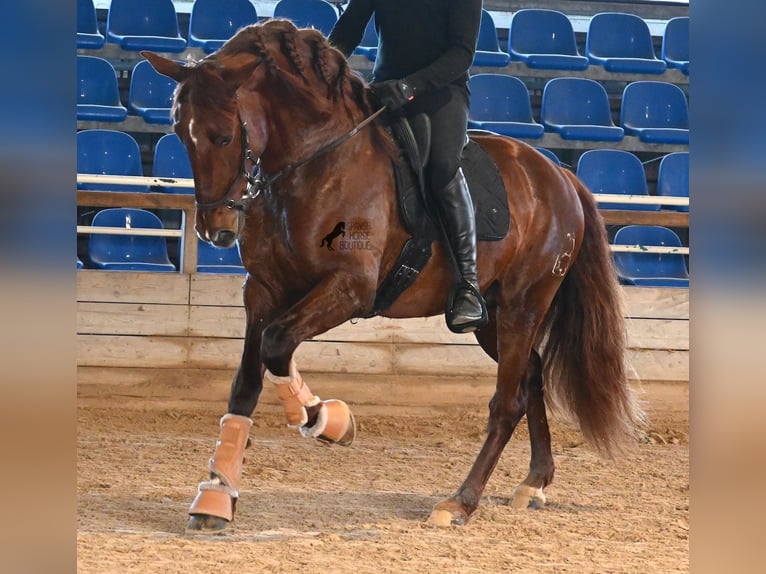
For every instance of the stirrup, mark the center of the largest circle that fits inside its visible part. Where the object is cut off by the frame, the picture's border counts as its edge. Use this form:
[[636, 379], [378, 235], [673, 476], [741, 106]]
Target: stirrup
[[469, 325]]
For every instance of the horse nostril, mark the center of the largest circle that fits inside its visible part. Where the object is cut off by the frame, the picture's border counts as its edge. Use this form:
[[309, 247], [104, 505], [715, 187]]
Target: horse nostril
[[223, 237]]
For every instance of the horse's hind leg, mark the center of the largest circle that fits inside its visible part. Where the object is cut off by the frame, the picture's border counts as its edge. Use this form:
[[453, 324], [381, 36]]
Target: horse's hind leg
[[530, 492], [515, 333]]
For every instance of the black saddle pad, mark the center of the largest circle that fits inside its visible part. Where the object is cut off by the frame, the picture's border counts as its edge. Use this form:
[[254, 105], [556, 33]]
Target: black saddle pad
[[487, 191]]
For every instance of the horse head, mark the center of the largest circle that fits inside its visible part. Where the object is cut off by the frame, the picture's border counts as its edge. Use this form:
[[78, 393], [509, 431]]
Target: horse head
[[206, 118], [267, 99]]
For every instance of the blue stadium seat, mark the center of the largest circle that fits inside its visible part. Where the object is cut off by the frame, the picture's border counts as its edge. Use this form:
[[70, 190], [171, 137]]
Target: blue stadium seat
[[108, 152], [673, 178], [80, 264], [656, 112], [622, 43], [212, 22], [369, 44], [308, 14], [88, 34], [500, 104], [488, 52], [128, 252], [98, 96], [650, 269], [171, 160], [614, 171], [212, 259], [544, 39], [151, 94], [578, 109], [144, 25], [550, 155], [675, 44]]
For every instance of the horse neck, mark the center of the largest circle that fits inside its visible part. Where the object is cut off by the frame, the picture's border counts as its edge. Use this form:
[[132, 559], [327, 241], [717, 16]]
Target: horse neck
[[297, 132]]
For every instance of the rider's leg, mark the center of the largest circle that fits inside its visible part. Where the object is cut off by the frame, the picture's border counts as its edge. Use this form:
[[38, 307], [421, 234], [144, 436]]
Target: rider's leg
[[448, 111]]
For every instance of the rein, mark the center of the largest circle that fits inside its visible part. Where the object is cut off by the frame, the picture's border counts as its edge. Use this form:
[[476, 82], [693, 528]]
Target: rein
[[257, 181]]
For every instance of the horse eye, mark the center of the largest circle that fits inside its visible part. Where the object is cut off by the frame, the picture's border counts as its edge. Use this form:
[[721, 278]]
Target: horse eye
[[223, 141]]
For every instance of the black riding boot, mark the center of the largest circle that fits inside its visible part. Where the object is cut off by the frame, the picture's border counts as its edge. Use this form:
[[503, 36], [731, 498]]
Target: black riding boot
[[466, 309]]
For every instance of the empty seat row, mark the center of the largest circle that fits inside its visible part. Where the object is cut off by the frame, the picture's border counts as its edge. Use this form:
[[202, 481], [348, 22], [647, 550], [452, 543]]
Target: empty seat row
[[617, 41], [128, 252], [153, 24], [541, 38], [643, 267], [604, 171], [113, 152], [545, 39], [575, 108], [619, 172], [579, 109], [150, 94]]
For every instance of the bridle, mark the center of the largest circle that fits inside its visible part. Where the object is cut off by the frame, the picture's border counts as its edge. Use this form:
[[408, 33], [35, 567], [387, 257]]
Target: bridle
[[257, 181]]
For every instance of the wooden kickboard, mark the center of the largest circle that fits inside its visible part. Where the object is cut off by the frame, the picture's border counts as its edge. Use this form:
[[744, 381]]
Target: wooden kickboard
[[322, 356], [171, 320]]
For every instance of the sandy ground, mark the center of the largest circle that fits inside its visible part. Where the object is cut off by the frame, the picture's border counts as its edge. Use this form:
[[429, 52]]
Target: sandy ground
[[305, 507]]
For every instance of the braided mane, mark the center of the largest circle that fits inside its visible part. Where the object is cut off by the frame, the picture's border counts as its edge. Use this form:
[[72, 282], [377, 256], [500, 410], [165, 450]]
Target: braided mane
[[306, 65], [305, 62]]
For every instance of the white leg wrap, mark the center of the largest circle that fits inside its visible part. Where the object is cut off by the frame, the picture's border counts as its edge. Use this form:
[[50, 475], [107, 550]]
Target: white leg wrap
[[294, 394]]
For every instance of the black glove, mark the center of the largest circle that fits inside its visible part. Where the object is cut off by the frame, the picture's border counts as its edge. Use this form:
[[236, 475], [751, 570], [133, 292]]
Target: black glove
[[393, 93]]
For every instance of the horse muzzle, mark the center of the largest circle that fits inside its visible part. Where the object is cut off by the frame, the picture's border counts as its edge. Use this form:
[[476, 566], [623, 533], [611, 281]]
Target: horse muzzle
[[219, 233], [223, 238]]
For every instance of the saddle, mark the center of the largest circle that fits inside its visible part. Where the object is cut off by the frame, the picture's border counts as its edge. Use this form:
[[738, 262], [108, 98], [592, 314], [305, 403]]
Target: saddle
[[485, 185]]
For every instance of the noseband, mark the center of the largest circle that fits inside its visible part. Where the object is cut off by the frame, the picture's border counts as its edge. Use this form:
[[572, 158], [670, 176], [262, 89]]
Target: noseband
[[257, 181]]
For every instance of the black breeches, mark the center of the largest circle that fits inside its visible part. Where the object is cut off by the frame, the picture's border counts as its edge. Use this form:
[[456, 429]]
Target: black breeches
[[448, 110]]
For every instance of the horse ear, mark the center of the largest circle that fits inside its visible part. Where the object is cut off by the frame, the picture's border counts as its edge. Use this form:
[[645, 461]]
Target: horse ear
[[166, 67]]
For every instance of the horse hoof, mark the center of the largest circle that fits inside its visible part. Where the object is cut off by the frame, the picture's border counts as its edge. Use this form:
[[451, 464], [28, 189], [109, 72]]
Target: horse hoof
[[206, 524], [443, 517], [350, 434], [526, 496]]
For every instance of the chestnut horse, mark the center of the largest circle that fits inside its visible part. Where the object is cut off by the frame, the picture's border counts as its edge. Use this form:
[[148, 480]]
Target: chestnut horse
[[277, 128]]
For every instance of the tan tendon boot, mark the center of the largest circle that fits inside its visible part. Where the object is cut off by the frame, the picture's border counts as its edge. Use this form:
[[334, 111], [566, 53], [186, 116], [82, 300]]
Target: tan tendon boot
[[334, 424], [217, 496], [294, 394]]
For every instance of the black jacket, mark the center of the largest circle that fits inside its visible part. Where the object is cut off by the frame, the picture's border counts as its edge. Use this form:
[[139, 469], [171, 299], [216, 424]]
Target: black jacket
[[429, 42]]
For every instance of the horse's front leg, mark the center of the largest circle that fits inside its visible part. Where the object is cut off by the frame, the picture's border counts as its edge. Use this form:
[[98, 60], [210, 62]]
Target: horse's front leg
[[333, 301], [213, 508]]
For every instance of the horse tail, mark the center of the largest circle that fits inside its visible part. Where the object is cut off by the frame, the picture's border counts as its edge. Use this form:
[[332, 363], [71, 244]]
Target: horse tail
[[584, 355]]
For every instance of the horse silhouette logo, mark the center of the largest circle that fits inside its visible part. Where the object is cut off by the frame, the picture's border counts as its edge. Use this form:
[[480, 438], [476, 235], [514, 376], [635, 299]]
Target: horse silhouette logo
[[339, 229]]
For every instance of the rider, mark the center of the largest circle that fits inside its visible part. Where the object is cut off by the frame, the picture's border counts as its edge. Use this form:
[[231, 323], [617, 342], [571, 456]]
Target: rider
[[425, 50]]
